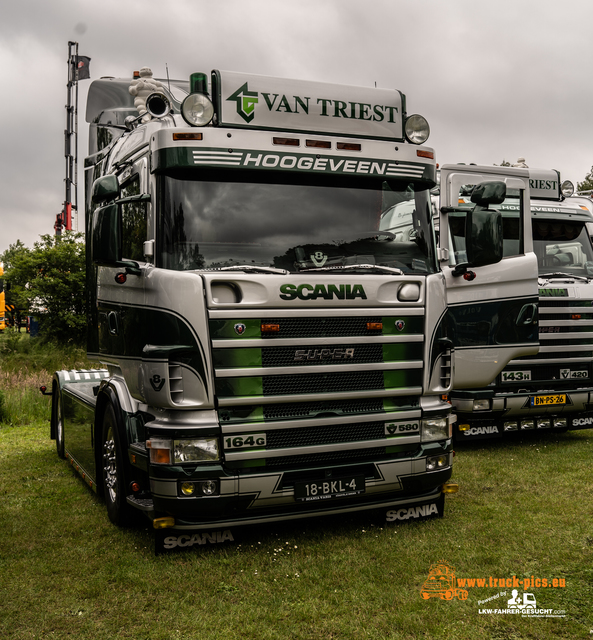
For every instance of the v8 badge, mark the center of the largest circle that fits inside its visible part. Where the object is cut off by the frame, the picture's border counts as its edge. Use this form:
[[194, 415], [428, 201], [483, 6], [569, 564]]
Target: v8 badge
[[156, 382]]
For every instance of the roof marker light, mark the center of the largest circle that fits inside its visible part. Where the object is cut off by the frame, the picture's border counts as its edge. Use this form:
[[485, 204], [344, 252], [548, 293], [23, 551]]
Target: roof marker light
[[290, 142], [188, 136], [349, 146], [319, 144]]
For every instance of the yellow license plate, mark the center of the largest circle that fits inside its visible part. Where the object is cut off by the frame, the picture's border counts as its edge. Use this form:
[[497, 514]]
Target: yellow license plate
[[544, 401]]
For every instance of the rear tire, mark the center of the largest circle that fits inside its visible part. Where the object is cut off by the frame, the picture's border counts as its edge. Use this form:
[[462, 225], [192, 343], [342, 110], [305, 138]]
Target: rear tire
[[114, 484], [57, 416]]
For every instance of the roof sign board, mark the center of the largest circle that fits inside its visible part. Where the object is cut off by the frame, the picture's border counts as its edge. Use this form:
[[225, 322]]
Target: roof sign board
[[544, 184], [278, 104]]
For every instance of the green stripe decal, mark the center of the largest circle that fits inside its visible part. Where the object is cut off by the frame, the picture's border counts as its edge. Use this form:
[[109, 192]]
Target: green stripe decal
[[409, 325], [403, 351], [236, 358], [233, 387], [250, 328], [402, 378]]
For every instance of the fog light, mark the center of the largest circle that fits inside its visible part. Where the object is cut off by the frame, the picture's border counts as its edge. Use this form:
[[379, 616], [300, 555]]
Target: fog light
[[544, 423], [463, 427], [560, 423], [188, 488], [511, 426], [527, 424], [163, 523], [482, 404], [437, 462], [450, 487], [209, 487]]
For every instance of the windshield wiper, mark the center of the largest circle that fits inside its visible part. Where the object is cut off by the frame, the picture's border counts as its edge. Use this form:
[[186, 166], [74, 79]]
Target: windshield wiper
[[251, 267], [559, 274], [378, 267]]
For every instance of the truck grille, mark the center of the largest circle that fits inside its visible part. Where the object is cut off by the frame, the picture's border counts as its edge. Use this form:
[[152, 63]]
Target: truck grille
[[317, 397], [566, 344]]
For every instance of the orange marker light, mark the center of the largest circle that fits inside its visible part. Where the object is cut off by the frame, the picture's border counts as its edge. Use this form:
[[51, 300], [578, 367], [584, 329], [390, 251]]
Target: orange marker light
[[270, 328], [290, 142], [374, 326], [187, 136]]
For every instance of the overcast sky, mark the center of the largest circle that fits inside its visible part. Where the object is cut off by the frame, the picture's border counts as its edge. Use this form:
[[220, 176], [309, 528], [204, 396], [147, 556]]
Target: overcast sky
[[496, 80]]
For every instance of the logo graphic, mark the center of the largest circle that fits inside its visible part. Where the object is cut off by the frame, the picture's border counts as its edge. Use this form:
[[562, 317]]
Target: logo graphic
[[246, 101], [399, 325], [319, 258], [156, 382], [441, 583], [516, 602], [240, 328]]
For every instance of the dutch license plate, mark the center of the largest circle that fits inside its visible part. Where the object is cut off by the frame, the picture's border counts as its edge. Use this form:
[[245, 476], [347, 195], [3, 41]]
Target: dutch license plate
[[544, 401], [330, 488]]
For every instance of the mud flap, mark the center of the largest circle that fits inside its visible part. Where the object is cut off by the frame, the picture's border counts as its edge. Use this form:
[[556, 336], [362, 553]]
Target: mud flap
[[433, 509]]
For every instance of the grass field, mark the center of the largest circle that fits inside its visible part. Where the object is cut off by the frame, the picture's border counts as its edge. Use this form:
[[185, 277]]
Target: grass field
[[525, 508]]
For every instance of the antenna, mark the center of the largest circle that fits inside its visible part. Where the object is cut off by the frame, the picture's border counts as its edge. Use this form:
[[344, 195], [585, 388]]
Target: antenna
[[168, 81]]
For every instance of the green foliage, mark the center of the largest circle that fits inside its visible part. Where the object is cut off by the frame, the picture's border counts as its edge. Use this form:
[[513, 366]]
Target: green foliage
[[587, 184], [25, 365], [49, 282]]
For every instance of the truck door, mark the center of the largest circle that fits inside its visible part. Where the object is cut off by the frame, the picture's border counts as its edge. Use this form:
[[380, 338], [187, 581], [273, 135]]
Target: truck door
[[492, 307]]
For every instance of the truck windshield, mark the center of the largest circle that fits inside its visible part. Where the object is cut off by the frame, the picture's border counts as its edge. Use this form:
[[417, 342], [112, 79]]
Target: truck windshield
[[293, 224], [562, 246]]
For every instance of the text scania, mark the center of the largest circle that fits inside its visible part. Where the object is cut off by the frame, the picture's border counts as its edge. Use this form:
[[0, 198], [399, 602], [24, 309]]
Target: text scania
[[327, 292], [413, 512]]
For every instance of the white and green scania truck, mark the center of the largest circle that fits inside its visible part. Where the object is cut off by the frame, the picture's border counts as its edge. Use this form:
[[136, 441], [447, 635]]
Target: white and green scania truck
[[277, 324], [552, 390]]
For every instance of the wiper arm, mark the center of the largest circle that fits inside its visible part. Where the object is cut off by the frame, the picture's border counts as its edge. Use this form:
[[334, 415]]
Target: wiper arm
[[251, 267], [378, 267], [559, 274]]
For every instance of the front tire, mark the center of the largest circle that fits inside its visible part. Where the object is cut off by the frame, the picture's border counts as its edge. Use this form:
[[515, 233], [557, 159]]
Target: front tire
[[118, 510]]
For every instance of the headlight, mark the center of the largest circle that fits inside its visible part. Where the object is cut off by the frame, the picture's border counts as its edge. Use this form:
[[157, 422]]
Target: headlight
[[197, 110], [482, 404], [435, 429], [417, 129], [567, 188], [166, 451]]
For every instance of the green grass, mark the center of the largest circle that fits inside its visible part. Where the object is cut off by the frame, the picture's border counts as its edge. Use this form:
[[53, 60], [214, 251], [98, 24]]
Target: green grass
[[25, 365], [524, 508]]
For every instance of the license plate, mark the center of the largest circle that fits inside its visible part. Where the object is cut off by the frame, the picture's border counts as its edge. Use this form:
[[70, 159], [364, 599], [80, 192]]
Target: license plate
[[543, 401], [327, 489]]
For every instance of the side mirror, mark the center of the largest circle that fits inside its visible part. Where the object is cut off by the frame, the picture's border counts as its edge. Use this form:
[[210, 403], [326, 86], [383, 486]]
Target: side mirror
[[106, 236], [106, 241], [105, 189], [483, 237]]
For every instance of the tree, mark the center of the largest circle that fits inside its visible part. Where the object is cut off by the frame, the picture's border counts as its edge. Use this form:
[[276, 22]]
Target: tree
[[587, 184], [49, 281]]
